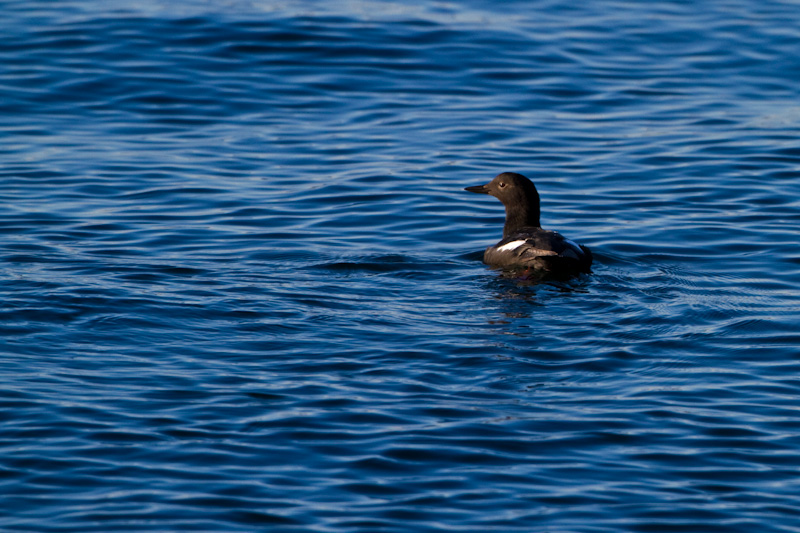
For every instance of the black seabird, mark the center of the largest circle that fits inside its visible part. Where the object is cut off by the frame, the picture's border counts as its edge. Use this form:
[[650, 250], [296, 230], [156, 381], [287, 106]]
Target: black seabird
[[525, 245]]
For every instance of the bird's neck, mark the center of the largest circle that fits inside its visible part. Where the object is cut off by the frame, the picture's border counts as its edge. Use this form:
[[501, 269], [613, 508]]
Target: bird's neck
[[527, 217]]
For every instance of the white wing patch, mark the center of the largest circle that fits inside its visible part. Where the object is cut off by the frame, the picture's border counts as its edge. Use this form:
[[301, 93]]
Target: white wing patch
[[513, 245]]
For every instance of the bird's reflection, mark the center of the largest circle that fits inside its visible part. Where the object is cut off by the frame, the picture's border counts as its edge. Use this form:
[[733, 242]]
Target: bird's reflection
[[523, 294]]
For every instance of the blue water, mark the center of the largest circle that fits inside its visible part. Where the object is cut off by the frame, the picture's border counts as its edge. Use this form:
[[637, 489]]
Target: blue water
[[242, 288]]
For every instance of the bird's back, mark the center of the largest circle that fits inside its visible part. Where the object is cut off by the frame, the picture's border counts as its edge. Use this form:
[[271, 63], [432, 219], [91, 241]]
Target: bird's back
[[539, 249]]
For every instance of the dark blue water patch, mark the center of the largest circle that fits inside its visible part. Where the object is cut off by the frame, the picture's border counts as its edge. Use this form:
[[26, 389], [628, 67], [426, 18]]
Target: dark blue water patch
[[242, 284]]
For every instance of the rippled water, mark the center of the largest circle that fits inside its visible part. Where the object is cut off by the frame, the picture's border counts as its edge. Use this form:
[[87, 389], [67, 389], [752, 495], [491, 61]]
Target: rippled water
[[242, 288]]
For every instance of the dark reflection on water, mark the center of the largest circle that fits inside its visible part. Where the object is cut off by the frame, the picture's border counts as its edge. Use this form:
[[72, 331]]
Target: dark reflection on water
[[242, 288]]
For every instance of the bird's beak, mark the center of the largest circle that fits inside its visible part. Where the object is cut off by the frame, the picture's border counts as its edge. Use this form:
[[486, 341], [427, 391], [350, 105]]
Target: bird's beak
[[481, 189]]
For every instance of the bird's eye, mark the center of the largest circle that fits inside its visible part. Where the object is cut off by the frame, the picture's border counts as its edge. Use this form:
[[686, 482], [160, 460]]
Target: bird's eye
[[502, 185]]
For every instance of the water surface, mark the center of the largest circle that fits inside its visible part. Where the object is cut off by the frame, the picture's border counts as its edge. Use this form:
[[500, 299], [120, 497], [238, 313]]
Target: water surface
[[242, 288]]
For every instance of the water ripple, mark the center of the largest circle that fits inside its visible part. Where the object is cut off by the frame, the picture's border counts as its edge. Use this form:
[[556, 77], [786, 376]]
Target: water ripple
[[242, 285]]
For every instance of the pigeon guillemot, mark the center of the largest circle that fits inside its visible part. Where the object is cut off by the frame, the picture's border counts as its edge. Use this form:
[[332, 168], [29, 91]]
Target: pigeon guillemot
[[525, 245]]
